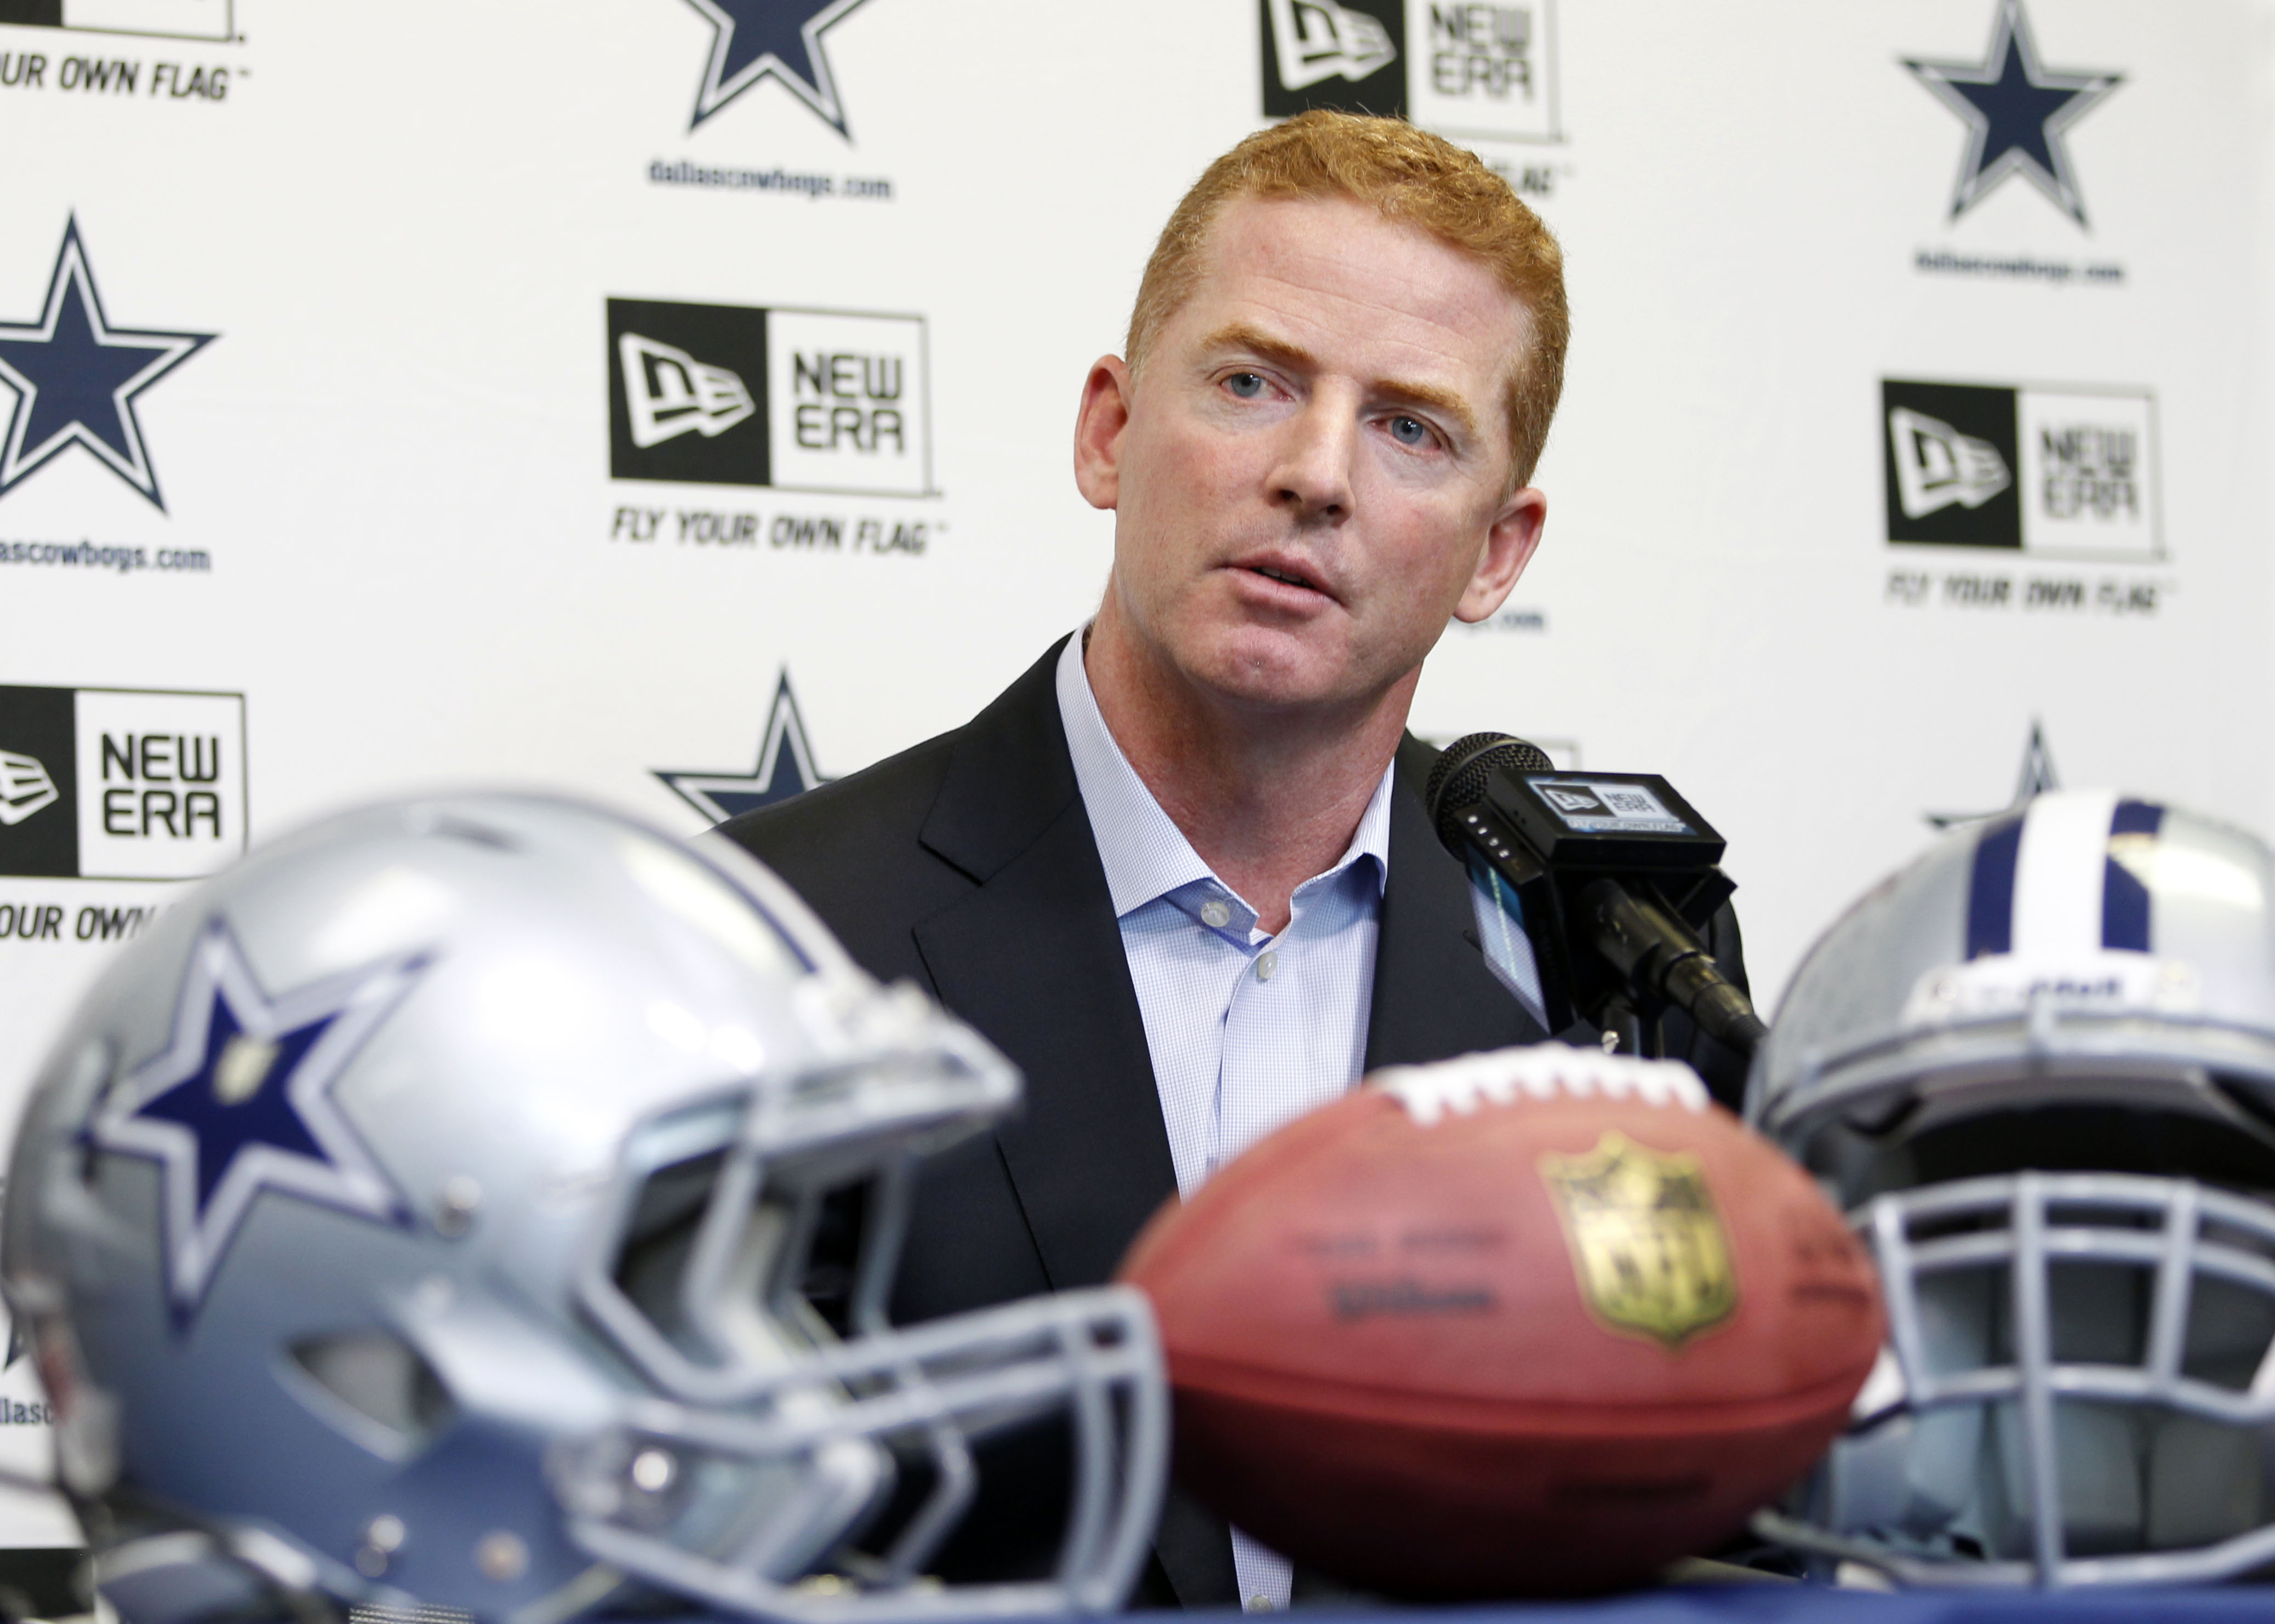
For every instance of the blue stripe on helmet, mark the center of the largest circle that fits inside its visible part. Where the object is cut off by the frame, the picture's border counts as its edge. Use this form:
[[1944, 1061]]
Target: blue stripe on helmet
[[2124, 899], [1991, 888]]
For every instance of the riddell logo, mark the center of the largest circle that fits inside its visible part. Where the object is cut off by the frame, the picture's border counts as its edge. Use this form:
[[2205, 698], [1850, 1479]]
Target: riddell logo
[[806, 400], [2062, 470]]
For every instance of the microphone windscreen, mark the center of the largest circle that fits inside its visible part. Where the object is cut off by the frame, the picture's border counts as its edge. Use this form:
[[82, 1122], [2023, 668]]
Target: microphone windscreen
[[1459, 779]]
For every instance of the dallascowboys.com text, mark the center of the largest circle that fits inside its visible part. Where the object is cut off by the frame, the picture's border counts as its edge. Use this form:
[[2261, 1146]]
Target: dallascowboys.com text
[[2015, 267], [87, 555], [680, 172]]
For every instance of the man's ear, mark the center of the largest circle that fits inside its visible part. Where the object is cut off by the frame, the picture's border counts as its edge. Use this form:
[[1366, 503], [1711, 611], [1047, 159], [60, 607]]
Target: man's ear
[[1098, 428], [1509, 544]]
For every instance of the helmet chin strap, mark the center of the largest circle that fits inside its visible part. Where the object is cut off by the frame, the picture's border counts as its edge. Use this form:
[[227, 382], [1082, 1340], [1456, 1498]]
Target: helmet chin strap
[[588, 1590], [193, 1569], [188, 1568]]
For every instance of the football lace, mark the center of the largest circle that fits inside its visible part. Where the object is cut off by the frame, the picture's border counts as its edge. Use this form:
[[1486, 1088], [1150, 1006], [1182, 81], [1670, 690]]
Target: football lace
[[1543, 1071]]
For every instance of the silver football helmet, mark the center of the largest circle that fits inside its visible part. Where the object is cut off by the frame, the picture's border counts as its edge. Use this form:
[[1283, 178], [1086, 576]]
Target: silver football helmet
[[2037, 1066], [483, 1203]]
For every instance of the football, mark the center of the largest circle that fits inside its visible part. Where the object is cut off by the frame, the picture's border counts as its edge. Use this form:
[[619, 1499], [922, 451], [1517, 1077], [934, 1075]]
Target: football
[[1540, 1321]]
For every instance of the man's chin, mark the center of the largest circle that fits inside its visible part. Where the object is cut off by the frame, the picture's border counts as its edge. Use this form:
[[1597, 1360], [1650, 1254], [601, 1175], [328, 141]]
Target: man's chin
[[1267, 674]]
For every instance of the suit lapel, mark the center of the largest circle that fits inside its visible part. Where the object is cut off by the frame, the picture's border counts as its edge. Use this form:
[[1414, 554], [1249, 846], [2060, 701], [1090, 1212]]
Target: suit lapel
[[1434, 995], [1088, 1156], [1033, 958]]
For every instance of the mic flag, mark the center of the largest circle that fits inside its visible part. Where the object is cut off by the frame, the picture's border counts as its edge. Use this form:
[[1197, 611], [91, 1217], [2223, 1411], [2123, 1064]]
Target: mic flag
[[1608, 877]]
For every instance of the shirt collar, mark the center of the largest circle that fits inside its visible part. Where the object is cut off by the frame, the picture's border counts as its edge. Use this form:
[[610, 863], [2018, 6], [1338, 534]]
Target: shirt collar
[[1144, 853]]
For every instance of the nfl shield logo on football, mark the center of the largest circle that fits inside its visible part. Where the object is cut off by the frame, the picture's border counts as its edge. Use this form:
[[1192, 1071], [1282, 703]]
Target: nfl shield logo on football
[[1647, 1245]]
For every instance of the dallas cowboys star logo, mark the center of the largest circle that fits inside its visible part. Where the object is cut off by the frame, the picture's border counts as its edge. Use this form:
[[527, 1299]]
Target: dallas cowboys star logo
[[2037, 778], [2017, 113], [76, 378], [240, 1102], [785, 768], [778, 40]]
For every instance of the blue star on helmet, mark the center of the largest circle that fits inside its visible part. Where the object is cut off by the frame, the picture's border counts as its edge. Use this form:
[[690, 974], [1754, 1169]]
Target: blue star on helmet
[[77, 377], [781, 40], [240, 1102], [2017, 114]]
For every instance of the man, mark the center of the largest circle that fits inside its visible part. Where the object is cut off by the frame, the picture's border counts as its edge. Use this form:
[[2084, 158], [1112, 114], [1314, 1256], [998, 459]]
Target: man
[[1181, 872]]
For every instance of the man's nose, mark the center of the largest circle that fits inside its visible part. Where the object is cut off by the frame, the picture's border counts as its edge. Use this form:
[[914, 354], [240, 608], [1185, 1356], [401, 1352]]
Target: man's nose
[[1312, 475]]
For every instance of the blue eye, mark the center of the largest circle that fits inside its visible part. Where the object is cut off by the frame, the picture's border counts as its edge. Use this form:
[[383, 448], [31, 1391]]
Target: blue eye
[[1409, 431], [1247, 385]]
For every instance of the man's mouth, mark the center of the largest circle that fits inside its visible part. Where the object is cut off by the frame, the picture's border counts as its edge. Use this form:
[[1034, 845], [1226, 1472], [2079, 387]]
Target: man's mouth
[[1271, 572]]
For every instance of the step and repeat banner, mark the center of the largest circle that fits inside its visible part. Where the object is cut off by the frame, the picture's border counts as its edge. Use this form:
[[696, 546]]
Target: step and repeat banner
[[671, 400]]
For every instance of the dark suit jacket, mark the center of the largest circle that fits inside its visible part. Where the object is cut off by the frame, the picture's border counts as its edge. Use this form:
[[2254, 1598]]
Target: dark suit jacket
[[966, 864]]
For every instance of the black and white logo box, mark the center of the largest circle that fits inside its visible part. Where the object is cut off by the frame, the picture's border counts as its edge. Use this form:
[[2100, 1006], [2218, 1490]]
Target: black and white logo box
[[827, 401], [117, 783], [2066, 471], [1479, 71], [176, 20]]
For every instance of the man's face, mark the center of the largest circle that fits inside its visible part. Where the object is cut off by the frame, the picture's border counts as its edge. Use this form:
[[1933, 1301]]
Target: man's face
[[1312, 473]]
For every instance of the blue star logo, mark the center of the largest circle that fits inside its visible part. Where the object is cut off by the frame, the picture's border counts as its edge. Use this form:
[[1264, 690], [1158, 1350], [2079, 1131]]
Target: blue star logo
[[76, 378], [785, 768], [2017, 113], [779, 40], [240, 1102], [2037, 779]]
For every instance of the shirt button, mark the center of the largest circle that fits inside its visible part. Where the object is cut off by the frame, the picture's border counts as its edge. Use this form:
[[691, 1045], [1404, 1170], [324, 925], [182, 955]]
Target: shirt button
[[1267, 965], [1215, 915], [1259, 1604]]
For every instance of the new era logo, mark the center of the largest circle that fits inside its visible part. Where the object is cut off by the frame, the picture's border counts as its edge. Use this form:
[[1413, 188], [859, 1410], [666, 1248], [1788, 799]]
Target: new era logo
[[2064, 470], [1937, 465], [1473, 71], [113, 783], [180, 19], [668, 393], [1571, 800], [808, 400], [24, 788], [1316, 39]]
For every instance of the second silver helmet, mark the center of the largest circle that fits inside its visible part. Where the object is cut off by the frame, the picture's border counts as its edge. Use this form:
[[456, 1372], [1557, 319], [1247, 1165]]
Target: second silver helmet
[[2037, 1066]]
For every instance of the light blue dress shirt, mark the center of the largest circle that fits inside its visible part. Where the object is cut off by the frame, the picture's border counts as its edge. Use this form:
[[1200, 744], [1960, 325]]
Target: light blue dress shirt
[[1246, 1030]]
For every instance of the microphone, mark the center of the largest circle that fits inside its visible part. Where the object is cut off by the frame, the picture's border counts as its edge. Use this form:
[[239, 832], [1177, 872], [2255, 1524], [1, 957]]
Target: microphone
[[1611, 876]]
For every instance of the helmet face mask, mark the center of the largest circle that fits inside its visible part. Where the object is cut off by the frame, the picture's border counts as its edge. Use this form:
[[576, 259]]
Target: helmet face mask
[[2097, 1342], [2035, 1066], [489, 1202], [747, 1284]]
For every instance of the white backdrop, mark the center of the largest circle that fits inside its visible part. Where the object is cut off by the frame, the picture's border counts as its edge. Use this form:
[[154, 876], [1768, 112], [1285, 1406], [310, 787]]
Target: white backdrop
[[398, 231]]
